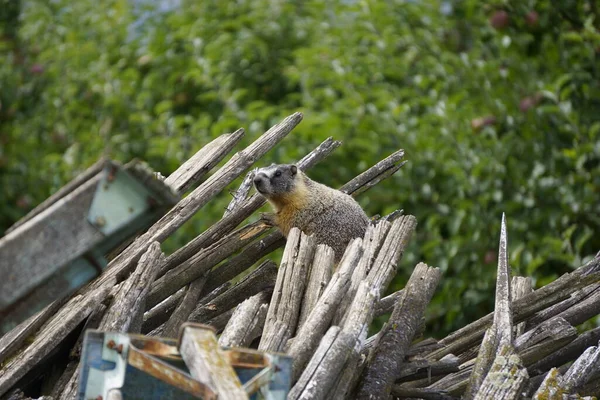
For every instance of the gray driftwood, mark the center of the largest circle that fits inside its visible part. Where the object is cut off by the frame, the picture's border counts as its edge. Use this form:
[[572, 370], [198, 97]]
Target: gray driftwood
[[320, 275], [318, 321], [289, 290], [260, 279], [384, 366], [247, 321]]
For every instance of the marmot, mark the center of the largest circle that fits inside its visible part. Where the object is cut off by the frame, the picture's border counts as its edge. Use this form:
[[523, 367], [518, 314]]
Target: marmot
[[332, 217]]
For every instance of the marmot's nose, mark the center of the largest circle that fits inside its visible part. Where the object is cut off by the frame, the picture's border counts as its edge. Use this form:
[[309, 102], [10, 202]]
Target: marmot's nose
[[257, 180]]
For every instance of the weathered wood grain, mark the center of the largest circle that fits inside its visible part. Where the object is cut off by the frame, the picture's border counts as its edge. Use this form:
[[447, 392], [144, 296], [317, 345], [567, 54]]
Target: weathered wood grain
[[384, 366], [289, 288], [125, 314], [205, 159], [318, 321], [247, 321], [260, 279], [320, 275], [207, 363]]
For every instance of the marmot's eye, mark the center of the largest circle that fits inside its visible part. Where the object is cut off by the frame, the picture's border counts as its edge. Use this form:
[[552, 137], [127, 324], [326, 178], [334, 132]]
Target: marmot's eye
[[278, 173]]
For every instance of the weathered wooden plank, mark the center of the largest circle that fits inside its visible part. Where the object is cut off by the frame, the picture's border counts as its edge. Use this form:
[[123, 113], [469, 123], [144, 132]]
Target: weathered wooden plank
[[247, 322], [185, 308], [325, 367], [574, 299], [500, 334], [207, 363], [160, 313], [260, 279], [566, 353], [372, 242], [418, 369], [523, 308], [388, 356], [403, 392], [317, 378], [506, 378], [320, 275], [125, 314], [205, 159], [11, 342], [201, 263], [318, 321], [520, 286], [50, 336], [289, 287], [94, 169]]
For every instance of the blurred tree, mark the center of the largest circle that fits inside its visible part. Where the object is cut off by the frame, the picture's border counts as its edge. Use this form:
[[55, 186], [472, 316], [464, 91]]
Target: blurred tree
[[495, 103]]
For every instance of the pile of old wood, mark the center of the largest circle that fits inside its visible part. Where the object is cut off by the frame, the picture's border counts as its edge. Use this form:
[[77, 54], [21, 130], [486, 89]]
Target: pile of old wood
[[317, 313]]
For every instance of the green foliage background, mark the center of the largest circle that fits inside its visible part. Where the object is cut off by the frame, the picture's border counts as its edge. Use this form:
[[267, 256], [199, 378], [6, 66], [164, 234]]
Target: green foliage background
[[496, 103]]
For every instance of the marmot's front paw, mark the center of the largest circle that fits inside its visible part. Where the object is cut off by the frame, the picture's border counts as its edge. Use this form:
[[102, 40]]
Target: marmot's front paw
[[268, 218]]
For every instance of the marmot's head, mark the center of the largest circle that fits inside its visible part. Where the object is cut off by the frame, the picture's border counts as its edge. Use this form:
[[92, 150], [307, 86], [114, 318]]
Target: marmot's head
[[276, 180]]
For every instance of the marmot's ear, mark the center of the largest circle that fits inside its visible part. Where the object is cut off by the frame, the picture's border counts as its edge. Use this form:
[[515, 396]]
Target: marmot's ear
[[294, 169]]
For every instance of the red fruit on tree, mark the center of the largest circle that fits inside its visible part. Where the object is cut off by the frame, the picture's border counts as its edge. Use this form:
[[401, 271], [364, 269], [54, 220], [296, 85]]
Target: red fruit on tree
[[532, 18], [499, 19]]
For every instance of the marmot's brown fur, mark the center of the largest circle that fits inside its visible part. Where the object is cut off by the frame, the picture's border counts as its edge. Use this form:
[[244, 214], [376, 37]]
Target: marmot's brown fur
[[332, 217]]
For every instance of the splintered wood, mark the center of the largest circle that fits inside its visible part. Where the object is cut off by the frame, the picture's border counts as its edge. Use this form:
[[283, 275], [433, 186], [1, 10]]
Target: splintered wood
[[319, 313]]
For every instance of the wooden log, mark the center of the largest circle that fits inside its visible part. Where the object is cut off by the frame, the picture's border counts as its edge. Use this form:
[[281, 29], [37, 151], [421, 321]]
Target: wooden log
[[388, 356], [375, 172], [125, 314], [66, 386], [551, 387], [536, 343], [387, 304], [289, 288], [202, 262], [160, 313], [574, 299], [329, 355], [241, 194], [260, 279], [500, 334], [402, 392], [345, 385], [50, 336], [247, 322], [220, 321], [555, 385], [418, 369], [185, 308], [523, 308], [320, 275], [11, 342], [243, 211], [582, 370], [584, 310], [566, 353], [244, 260], [205, 159], [308, 336], [325, 367], [544, 339], [384, 266], [205, 360], [506, 378], [520, 286], [372, 242]]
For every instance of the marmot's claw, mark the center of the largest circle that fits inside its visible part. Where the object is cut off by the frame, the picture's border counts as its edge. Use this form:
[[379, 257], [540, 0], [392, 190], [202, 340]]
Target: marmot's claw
[[268, 218]]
